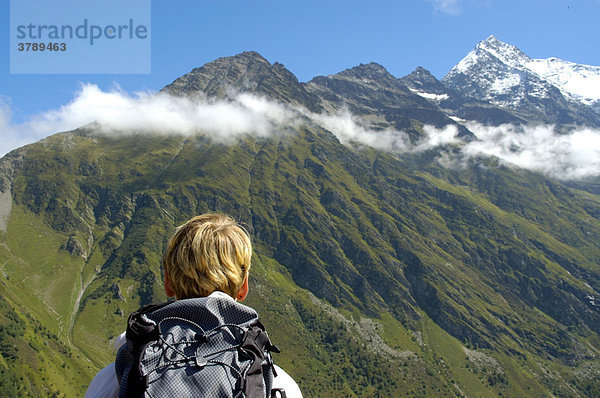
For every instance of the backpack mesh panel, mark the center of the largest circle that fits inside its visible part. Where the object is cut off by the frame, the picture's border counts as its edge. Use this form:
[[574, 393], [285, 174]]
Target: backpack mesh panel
[[197, 353]]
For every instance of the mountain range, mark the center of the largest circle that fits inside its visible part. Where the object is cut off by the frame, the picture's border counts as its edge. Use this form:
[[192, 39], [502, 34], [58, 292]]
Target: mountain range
[[387, 262]]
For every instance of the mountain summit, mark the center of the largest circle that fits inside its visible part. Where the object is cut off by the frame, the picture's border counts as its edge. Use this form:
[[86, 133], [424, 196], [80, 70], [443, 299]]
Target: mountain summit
[[502, 74], [422, 80], [245, 72], [371, 73], [506, 53]]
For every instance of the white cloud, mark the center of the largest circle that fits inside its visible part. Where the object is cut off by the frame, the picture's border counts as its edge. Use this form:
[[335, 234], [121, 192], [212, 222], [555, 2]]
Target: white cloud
[[446, 6], [574, 155], [118, 112], [348, 130], [435, 137], [14, 136]]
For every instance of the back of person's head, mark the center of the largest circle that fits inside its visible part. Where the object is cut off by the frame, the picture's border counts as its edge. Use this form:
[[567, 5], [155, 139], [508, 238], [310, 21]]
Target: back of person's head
[[208, 253]]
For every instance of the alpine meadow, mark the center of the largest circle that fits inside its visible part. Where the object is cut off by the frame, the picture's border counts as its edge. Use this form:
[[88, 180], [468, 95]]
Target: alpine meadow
[[412, 236]]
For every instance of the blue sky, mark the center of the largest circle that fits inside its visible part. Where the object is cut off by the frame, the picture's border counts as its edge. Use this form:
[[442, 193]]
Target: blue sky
[[318, 38]]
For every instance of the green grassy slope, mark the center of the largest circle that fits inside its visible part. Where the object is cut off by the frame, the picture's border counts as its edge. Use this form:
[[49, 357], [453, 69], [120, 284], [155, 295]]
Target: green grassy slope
[[377, 275]]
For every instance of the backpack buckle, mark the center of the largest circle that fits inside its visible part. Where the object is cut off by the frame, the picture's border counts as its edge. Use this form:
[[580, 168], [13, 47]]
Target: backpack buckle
[[278, 393], [200, 360]]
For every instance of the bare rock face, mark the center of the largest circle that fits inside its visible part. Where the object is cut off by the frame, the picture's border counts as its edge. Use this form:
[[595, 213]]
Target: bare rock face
[[8, 165], [5, 208], [74, 247], [117, 293]]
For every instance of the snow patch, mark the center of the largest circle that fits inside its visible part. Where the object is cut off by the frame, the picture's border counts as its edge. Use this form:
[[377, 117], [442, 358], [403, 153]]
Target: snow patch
[[505, 84], [465, 64], [430, 96], [580, 82]]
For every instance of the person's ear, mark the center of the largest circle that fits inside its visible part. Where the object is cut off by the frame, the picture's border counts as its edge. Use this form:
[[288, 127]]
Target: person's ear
[[168, 288], [241, 296]]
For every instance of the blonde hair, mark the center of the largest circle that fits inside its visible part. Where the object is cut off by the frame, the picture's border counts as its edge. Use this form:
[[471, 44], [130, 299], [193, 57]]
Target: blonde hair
[[209, 252]]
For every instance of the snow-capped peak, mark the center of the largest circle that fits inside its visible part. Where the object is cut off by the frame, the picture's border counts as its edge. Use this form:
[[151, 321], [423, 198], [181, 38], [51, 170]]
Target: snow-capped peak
[[495, 48], [575, 81], [505, 52]]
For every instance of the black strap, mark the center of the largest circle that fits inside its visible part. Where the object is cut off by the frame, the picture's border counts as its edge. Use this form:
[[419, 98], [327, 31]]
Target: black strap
[[278, 393], [257, 345], [140, 332]]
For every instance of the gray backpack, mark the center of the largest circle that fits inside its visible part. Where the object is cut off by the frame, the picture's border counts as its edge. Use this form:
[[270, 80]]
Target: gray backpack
[[202, 347]]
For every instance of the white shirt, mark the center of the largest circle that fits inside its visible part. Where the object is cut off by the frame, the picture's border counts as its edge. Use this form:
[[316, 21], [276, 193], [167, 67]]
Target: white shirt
[[105, 384]]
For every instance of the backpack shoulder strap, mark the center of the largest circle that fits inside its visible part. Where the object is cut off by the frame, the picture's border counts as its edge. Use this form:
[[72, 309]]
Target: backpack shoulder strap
[[257, 345], [140, 331]]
